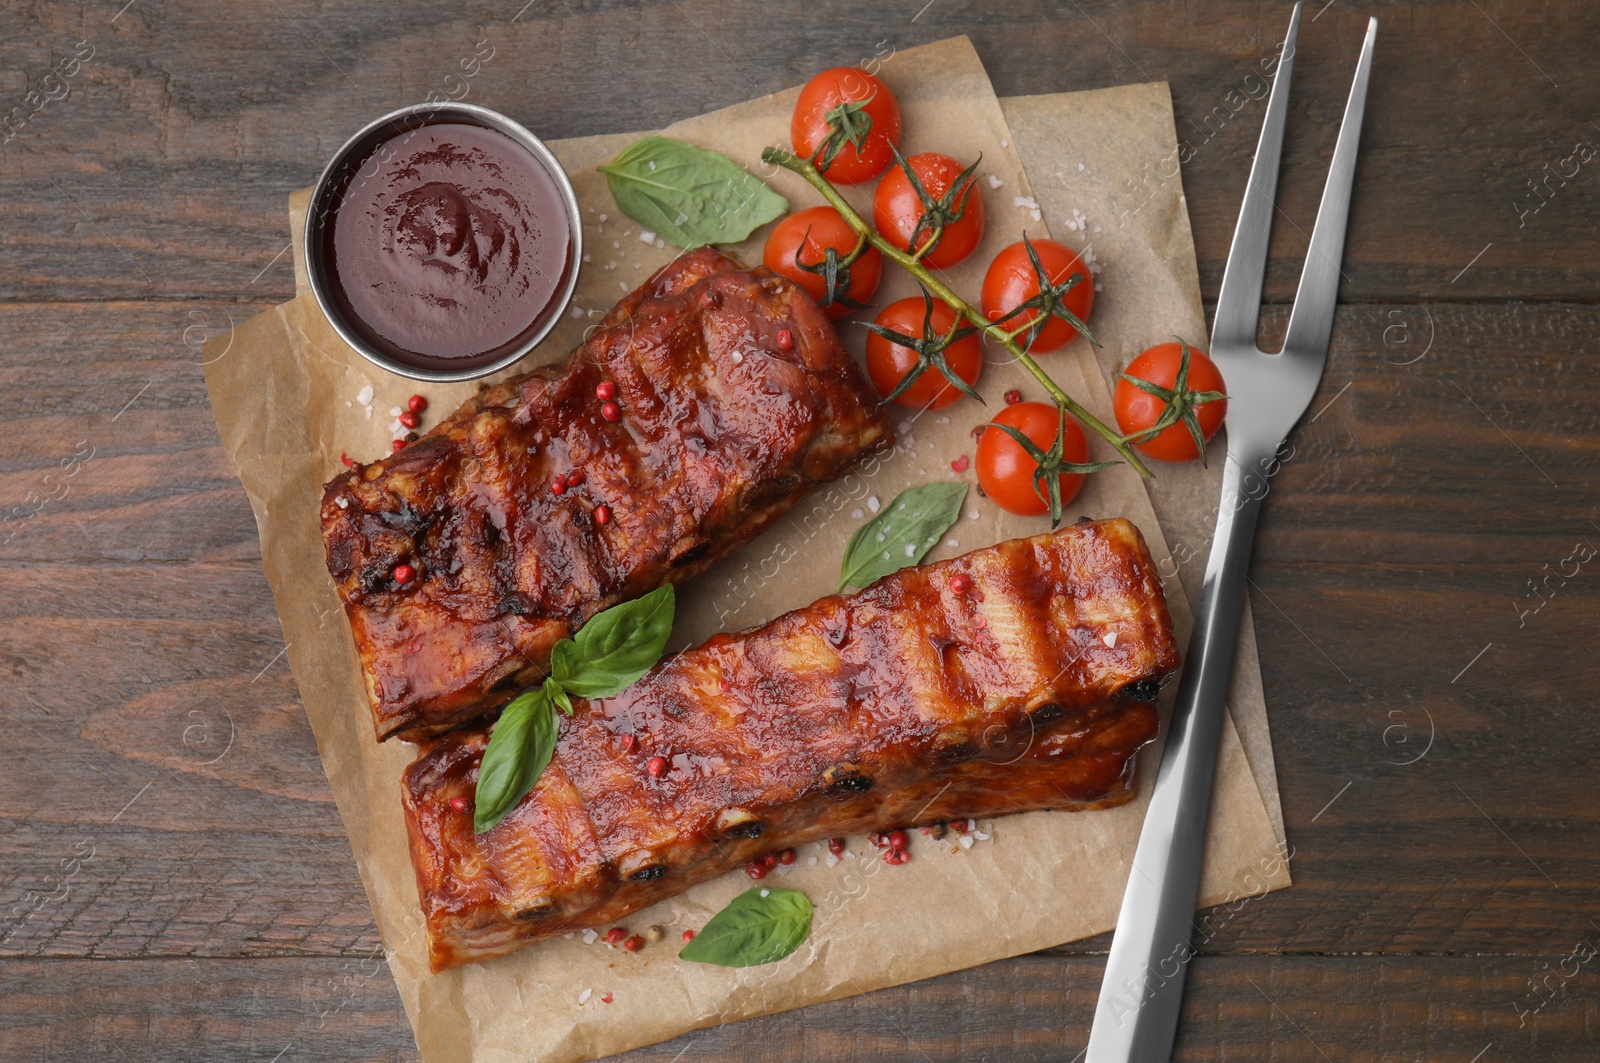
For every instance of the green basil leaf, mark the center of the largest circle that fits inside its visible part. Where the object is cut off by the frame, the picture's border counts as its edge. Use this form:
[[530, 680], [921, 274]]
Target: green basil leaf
[[758, 926], [615, 647], [519, 749], [557, 695], [902, 534], [688, 195]]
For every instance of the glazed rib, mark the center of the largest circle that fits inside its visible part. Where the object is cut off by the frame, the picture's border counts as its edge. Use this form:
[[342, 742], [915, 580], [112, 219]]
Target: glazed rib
[[723, 428], [904, 703]]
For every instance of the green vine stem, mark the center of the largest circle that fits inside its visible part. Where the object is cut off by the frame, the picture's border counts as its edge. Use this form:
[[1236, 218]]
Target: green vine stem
[[913, 265]]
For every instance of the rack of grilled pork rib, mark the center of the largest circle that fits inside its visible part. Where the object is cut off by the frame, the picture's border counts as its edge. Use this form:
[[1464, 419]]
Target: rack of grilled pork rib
[[1030, 687], [721, 430]]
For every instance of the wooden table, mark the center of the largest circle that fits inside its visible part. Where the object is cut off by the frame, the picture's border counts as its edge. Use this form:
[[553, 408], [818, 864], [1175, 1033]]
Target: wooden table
[[174, 880]]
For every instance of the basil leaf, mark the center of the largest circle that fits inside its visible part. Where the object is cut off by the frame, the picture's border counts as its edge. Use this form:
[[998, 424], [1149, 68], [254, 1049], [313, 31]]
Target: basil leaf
[[688, 195], [902, 534], [519, 749], [612, 650], [557, 695], [615, 647], [758, 926]]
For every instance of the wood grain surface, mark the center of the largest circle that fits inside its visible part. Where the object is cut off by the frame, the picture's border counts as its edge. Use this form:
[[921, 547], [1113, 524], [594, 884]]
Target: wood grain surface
[[174, 880]]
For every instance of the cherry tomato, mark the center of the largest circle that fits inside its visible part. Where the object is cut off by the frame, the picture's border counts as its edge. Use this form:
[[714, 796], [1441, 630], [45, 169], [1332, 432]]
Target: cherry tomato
[[896, 208], [1005, 470], [889, 362], [853, 97], [1012, 281], [1138, 410], [827, 230]]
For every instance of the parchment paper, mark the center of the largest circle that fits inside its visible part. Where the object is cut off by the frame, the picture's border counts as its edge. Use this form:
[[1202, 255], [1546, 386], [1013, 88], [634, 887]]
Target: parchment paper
[[284, 390]]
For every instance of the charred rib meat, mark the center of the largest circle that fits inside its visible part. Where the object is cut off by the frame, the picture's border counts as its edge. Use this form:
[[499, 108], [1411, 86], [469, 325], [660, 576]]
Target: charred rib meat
[[910, 701], [733, 399]]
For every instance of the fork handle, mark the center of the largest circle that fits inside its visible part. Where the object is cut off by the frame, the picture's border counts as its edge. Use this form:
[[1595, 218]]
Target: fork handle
[[1137, 1015]]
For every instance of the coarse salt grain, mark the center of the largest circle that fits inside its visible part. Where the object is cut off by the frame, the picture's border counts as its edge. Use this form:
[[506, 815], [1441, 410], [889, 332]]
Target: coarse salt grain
[[577, 312], [591, 936], [1110, 640], [965, 841], [583, 997], [766, 893], [995, 182], [857, 514], [364, 396], [342, 502], [811, 860], [952, 544], [647, 237], [873, 503], [973, 514], [911, 549], [833, 861], [602, 219]]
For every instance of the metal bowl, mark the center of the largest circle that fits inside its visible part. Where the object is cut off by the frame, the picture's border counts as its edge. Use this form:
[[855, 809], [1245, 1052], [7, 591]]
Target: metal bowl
[[330, 188]]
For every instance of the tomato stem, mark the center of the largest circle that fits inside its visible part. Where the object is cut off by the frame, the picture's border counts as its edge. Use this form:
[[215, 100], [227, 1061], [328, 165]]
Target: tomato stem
[[862, 243], [912, 264], [1019, 330]]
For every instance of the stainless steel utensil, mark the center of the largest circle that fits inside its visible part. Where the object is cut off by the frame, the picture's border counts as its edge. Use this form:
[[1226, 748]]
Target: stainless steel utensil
[[1137, 1015]]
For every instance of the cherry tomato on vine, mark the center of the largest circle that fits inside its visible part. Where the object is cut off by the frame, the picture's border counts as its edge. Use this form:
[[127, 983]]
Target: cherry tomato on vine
[[889, 362], [853, 118], [1006, 471], [1013, 281], [1198, 401], [818, 229], [950, 200]]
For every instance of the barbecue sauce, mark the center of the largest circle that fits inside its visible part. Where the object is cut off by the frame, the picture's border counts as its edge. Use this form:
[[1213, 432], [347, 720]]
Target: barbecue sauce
[[449, 246]]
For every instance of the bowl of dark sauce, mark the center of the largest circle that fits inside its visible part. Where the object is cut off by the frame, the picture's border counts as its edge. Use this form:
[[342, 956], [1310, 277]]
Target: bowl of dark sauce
[[443, 242]]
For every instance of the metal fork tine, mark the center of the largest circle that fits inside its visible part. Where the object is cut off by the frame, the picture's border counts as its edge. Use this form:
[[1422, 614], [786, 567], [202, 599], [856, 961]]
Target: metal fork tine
[[1239, 302], [1311, 320]]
